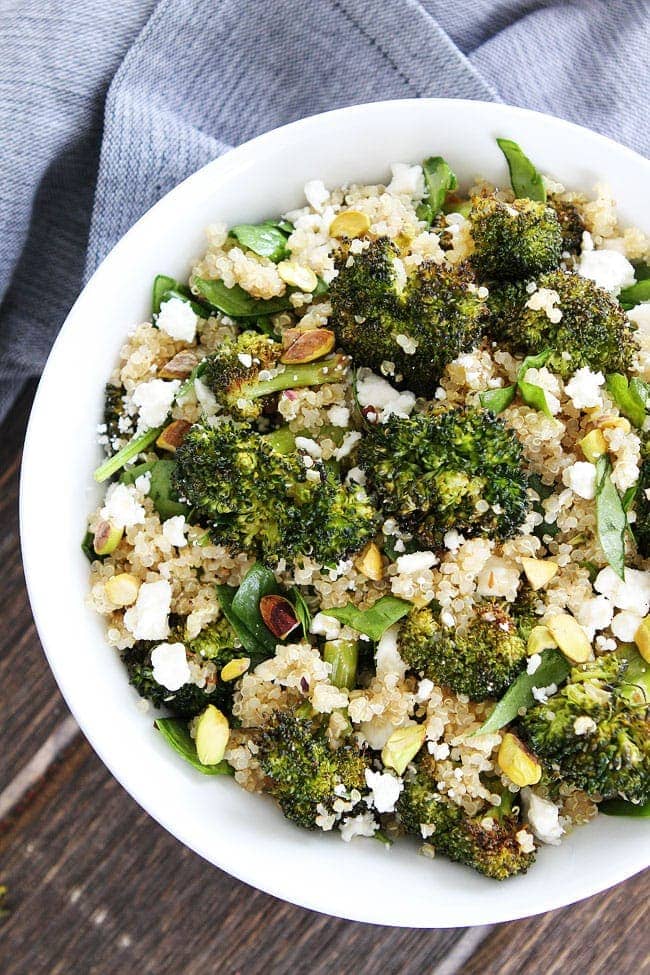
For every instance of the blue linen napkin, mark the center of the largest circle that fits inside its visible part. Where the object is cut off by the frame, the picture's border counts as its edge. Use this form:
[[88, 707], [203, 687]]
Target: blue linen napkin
[[165, 87]]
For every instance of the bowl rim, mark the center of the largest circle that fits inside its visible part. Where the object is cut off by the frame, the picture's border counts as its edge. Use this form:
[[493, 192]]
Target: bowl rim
[[220, 167]]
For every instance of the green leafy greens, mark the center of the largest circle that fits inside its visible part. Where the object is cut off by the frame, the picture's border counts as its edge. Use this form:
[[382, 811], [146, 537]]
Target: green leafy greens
[[554, 669], [632, 398], [375, 620], [268, 239], [177, 735], [524, 177], [611, 518], [439, 179], [496, 400], [241, 607]]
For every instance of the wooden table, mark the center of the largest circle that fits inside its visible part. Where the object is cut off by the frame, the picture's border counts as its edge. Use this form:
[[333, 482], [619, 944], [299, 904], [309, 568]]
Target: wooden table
[[95, 886]]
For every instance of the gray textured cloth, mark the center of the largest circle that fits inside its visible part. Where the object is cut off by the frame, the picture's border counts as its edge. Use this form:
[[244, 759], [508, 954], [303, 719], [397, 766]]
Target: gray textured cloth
[[186, 79]]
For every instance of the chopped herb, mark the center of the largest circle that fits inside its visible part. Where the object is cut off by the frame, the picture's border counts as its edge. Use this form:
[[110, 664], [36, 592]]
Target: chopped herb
[[302, 609], [375, 620], [611, 518], [439, 180], [553, 669], [525, 180]]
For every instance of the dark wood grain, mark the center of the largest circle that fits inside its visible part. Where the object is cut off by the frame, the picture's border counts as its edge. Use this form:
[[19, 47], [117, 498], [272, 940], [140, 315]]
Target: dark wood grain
[[606, 933], [31, 704], [100, 888]]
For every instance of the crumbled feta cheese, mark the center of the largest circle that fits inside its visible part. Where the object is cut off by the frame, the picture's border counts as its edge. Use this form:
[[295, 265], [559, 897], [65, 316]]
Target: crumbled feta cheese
[[316, 194], [584, 725], [525, 841], [609, 269], [205, 396], [406, 180], [542, 816], [424, 691], [376, 392], [625, 624], [498, 577], [542, 694], [122, 506], [384, 790], [154, 399], [583, 389], [177, 320], [439, 750], [143, 483], [631, 593], [453, 540], [545, 299], [356, 476], [407, 343], [534, 662], [581, 478], [174, 530], [324, 625], [310, 446], [339, 416], [387, 657], [170, 667], [416, 562], [147, 619], [362, 825], [350, 440], [246, 359], [595, 614]]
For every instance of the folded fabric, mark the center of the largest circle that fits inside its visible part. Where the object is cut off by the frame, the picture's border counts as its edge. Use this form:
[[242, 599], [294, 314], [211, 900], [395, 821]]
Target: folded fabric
[[192, 77]]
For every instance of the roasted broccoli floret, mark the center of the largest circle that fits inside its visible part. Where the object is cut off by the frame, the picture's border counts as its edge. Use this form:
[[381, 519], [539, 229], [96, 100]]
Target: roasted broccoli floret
[[595, 732], [505, 303], [419, 321], [216, 642], [593, 329], [244, 372], [514, 240], [480, 659], [572, 224], [487, 842], [456, 468], [116, 420], [257, 499], [304, 774]]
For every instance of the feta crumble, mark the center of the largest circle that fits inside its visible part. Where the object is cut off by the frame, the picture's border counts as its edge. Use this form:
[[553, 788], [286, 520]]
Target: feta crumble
[[583, 389], [581, 478], [416, 562], [154, 399], [534, 663], [177, 320], [631, 593], [374, 391], [385, 790], [174, 530], [406, 180], [324, 625], [122, 506], [147, 619], [170, 666], [607, 268], [362, 825], [584, 725], [543, 817]]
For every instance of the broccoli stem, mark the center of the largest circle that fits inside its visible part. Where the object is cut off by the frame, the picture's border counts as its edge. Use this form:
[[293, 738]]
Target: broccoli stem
[[127, 453], [296, 377], [343, 656]]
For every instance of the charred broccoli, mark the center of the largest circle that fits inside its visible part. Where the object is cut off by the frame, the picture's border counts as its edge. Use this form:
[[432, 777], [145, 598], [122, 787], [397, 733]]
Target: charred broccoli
[[216, 642], [572, 224], [419, 321], [487, 842], [118, 423], [593, 330], [595, 732], [480, 660], [245, 371], [514, 240], [304, 774], [642, 502], [457, 468], [258, 499]]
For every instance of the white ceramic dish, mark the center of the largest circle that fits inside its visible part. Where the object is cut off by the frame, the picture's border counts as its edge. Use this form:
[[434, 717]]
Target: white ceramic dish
[[240, 833]]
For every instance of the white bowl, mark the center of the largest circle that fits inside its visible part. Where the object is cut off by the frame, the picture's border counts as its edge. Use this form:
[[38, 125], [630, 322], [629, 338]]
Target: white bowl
[[238, 832]]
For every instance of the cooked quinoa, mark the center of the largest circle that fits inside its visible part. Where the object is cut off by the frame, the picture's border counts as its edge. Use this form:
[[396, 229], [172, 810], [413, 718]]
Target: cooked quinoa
[[159, 580]]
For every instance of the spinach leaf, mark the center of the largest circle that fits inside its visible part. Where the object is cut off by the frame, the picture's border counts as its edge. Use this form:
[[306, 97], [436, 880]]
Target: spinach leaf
[[620, 807], [258, 651], [630, 398], [127, 453], [177, 735], [611, 519], [635, 294], [375, 620], [239, 304], [497, 400], [161, 493], [554, 669], [439, 180], [165, 288], [88, 549], [525, 180], [258, 582], [301, 608], [265, 239]]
